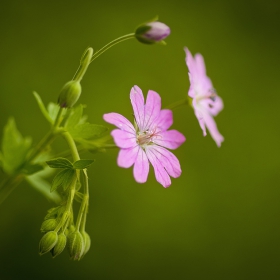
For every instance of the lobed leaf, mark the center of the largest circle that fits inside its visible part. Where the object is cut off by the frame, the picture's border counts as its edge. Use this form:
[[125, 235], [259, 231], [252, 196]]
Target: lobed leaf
[[14, 147], [75, 117], [63, 179], [60, 163], [52, 110], [82, 163], [87, 130]]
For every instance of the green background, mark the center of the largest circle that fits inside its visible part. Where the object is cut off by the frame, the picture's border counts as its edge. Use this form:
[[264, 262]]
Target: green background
[[220, 219]]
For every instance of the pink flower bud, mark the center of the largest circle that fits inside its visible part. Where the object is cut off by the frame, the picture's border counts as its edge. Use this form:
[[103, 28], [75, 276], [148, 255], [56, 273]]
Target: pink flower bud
[[152, 32]]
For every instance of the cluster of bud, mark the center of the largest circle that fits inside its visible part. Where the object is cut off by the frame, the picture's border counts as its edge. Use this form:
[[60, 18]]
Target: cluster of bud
[[57, 236]]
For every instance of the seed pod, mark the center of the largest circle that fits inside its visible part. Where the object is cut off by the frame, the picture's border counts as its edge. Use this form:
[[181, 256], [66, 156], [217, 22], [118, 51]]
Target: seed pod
[[76, 245], [47, 242], [87, 242], [60, 245], [48, 225]]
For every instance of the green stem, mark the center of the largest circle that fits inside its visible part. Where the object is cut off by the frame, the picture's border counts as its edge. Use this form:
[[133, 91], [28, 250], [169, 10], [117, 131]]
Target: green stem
[[178, 104], [9, 185], [85, 211], [84, 205], [84, 63], [13, 181], [58, 119], [68, 207], [111, 44], [72, 145]]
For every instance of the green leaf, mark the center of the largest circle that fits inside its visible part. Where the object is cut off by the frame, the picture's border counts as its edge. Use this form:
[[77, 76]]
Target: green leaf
[[14, 147], [87, 130], [32, 168], [60, 163], [63, 178], [53, 110], [42, 107], [75, 117], [82, 163]]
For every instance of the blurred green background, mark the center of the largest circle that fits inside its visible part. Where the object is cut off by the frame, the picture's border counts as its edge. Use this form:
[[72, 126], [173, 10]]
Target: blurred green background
[[220, 219]]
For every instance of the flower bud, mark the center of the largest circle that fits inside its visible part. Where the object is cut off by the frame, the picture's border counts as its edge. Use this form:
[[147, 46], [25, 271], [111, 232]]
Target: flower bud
[[76, 245], [87, 242], [69, 94], [60, 245], [48, 225], [152, 32], [47, 242]]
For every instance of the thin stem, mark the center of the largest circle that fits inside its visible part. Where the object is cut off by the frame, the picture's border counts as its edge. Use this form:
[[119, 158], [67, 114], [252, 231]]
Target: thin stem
[[67, 212], [178, 104], [14, 180], [82, 211], [72, 145], [9, 185], [58, 119], [86, 192], [111, 44], [84, 63]]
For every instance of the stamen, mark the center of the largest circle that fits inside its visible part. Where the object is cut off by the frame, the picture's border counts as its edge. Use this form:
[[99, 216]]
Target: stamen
[[147, 137]]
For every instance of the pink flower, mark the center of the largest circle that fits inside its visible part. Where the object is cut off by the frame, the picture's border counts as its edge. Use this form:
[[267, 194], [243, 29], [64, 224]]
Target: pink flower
[[206, 102], [148, 139]]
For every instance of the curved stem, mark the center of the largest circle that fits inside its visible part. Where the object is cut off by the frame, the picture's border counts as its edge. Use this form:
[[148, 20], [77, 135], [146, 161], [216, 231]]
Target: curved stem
[[178, 104], [84, 63], [72, 145], [111, 44]]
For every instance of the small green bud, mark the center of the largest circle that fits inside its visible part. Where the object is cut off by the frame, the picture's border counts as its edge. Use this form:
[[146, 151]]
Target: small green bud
[[47, 242], [60, 245], [69, 94], [48, 225], [76, 245], [87, 242]]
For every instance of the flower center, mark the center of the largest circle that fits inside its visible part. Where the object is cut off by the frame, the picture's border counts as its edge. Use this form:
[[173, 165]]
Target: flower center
[[212, 94], [146, 137]]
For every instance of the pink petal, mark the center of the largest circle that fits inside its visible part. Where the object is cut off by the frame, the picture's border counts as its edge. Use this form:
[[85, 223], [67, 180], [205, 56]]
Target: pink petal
[[141, 167], [190, 61], [200, 65], [200, 119], [119, 121], [191, 92], [137, 101], [170, 139], [161, 175], [152, 109], [212, 127], [164, 120], [123, 139], [168, 160], [127, 157]]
